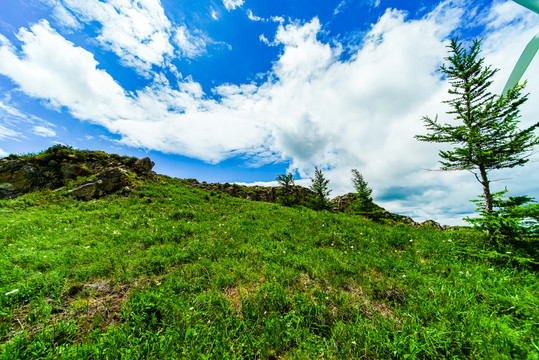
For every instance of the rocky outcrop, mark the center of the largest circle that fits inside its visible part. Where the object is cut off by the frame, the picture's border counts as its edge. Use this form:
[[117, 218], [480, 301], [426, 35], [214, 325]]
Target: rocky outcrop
[[16, 177], [59, 166], [433, 225], [143, 166], [343, 203], [106, 182], [300, 194]]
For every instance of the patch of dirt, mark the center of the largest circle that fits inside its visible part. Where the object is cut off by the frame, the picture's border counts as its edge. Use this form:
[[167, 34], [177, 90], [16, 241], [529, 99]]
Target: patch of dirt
[[92, 306], [236, 294], [373, 306]]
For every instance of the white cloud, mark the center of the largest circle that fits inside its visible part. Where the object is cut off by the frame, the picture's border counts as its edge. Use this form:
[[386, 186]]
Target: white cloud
[[13, 122], [137, 31], [232, 4], [253, 17], [503, 13], [190, 46], [89, 93], [43, 131], [339, 7], [7, 133], [64, 17], [3, 154], [314, 109]]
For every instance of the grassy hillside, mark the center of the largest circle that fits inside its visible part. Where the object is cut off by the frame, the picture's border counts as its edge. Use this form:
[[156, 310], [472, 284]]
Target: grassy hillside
[[170, 271]]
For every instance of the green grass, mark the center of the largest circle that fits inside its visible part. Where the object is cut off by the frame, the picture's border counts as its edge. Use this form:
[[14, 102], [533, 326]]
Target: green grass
[[172, 272]]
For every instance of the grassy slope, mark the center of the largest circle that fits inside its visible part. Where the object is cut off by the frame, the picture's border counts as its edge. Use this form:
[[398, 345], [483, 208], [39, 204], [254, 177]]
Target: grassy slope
[[173, 272]]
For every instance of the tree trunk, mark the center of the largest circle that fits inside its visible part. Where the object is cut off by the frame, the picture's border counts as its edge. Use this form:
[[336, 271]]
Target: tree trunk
[[486, 189]]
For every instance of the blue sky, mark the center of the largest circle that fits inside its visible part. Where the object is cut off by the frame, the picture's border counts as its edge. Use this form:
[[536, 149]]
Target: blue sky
[[244, 90]]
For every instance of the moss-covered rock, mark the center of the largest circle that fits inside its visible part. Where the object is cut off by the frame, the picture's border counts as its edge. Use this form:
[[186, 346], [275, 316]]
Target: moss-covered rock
[[59, 166]]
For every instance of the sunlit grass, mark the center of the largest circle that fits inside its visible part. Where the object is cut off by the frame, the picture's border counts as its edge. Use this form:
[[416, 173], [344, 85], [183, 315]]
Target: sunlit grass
[[174, 272]]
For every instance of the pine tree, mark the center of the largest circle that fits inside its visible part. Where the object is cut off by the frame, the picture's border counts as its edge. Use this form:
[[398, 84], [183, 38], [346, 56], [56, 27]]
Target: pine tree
[[488, 137], [285, 180], [363, 192], [319, 185], [286, 195]]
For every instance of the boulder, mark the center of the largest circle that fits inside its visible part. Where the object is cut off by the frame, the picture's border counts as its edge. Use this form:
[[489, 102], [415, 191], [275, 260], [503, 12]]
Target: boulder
[[431, 224], [343, 203], [106, 182], [144, 165], [17, 177]]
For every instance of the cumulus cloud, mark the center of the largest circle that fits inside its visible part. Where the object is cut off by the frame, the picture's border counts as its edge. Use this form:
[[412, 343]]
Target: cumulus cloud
[[3, 153], [138, 32], [315, 109], [232, 4], [89, 93]]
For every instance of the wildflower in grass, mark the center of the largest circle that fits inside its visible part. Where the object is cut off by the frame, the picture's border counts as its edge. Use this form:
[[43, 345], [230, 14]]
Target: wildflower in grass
[[265, 294]]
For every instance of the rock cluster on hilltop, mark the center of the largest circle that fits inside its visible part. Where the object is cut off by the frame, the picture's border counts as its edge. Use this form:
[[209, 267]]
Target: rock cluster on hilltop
[[344, 203], [302, 196], [94, 174], [255, 193], [59, 166]]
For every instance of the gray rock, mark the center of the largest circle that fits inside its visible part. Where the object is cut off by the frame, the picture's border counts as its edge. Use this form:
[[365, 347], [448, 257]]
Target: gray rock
[[106, 182], [343, 203], [432, 224], [16, 177], [144, 165]]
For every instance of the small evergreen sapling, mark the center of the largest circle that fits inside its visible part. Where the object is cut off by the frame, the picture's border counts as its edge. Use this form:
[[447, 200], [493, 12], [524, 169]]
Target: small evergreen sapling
[[363, 203], [514, 218], [286, 182], [319, 185]]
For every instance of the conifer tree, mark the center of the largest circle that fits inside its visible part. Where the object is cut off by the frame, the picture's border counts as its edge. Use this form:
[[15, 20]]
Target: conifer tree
[[487, 136], [319, 185], [363, 192], [286, 181]]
